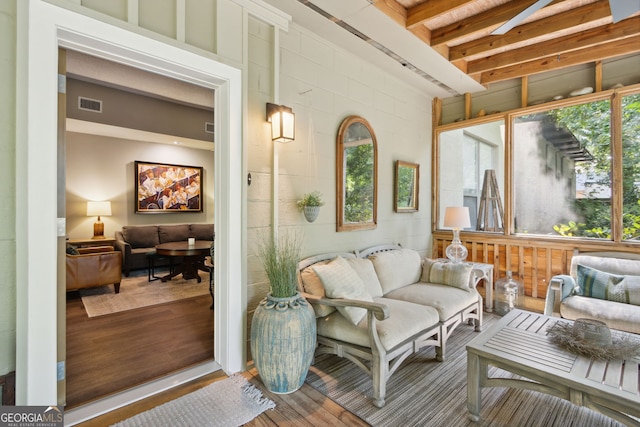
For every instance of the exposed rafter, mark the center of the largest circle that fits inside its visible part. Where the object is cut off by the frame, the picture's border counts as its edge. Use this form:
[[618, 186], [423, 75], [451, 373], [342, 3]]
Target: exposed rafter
[[565, 33]]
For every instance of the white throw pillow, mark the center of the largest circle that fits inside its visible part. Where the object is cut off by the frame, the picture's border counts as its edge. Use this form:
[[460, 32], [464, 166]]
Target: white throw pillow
[[342, 281], [364, 268]]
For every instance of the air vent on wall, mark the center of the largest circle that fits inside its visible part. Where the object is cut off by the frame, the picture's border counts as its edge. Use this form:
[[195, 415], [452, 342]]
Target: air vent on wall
[[208, 127], [88, 104]]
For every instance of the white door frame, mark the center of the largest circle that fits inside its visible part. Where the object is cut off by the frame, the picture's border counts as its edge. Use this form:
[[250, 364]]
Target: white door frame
[[42, 28]]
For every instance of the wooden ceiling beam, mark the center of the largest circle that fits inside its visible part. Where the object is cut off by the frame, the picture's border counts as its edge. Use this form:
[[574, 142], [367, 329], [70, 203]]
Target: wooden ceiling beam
[[581, 56], [422, 12], [542, 27], [473, 24], [393, 10], [585, 39]]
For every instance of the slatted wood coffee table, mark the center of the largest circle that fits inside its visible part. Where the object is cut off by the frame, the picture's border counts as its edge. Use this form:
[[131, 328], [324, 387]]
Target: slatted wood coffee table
[[518, 343]]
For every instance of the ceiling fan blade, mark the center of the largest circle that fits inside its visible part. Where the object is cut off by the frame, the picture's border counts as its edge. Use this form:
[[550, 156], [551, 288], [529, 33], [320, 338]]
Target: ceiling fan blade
[[621, 9], [504, 28]]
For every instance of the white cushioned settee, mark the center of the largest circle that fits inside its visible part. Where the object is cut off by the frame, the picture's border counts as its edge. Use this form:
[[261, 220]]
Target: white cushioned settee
[[604, 286], [378, 306]]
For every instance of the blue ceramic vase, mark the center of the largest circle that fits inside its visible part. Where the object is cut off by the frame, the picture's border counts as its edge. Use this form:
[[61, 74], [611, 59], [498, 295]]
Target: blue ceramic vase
[[283, 339]]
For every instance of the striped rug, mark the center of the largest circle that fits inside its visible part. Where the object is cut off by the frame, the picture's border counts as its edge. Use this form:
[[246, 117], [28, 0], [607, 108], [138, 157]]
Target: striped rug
[[424, 392]]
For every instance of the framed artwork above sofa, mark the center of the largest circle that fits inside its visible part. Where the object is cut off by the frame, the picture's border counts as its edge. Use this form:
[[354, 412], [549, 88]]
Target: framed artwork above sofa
[[167, 188]]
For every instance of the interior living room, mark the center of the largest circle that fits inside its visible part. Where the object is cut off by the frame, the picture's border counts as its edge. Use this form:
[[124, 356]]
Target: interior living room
[[530, 131]]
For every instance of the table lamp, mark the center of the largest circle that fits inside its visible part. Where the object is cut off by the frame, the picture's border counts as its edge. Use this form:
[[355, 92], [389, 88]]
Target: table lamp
[[456, 218], [98, 209]]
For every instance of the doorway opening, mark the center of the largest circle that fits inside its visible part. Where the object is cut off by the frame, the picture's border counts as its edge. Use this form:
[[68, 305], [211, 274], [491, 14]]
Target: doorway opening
[[38, 225], [141, 116]]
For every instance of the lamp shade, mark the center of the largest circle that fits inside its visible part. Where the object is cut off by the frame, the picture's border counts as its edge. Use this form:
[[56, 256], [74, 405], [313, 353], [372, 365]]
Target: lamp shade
[[99, 208], [457, 217]]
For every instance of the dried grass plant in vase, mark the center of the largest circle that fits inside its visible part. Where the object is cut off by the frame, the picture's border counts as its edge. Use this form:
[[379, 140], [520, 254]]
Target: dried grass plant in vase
[[283, 329]]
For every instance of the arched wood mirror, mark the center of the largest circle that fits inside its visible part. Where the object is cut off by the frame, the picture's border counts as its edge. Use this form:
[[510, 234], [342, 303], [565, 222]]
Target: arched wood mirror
[[356, 176]]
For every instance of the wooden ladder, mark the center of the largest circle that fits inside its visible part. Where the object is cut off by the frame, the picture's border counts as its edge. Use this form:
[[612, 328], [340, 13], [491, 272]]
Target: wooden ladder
[[490, 214]]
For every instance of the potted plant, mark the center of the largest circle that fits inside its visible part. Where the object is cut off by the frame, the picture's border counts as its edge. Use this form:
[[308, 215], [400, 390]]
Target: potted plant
[[283, 329], [310, 205]]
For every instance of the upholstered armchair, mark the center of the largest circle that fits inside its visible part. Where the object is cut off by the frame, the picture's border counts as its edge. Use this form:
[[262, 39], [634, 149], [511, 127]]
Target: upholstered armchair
[[95, 266]]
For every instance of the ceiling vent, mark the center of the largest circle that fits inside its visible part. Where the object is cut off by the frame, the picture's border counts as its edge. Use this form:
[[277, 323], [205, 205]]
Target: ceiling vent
[[88, 104], [208, 127]]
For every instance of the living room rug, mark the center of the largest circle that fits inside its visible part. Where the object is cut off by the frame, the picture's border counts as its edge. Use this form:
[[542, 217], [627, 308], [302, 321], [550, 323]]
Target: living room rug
[[225, 403], [425, 392], [136, 292]]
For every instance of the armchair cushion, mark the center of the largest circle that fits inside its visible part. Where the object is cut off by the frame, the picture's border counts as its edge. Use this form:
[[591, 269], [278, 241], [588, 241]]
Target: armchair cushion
[[616, 315], [447, 273], [342, 281]]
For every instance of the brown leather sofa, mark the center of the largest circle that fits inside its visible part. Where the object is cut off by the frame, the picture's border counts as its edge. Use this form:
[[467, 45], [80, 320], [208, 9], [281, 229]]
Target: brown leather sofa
[[95, 266]]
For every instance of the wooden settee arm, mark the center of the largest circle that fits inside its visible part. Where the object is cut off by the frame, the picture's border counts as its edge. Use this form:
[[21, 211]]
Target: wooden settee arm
[[381, 311]]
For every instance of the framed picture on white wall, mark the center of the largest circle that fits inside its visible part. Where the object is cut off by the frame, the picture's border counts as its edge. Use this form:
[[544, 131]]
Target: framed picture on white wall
[[167, 188]]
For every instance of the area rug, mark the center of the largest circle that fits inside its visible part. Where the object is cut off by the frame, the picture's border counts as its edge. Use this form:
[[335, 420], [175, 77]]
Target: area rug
[[136, 292], [424, 392], [226, 403]]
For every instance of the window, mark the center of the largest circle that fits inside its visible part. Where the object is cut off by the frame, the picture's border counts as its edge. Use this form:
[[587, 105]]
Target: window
[[468, 154], [573, 171], [562, 170], [631, 167]]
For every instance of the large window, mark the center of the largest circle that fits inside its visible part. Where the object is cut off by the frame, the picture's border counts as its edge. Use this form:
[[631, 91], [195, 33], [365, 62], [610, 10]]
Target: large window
[[631, 167], [572, 171], [562, 171], [471, 154]]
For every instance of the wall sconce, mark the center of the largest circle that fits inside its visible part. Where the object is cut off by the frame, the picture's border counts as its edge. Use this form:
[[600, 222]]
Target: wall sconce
[[98, 209], [283, 122], [456, 218]]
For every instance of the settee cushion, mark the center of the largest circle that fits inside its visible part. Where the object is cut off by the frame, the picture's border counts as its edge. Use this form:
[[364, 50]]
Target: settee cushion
[[141, 236], [202, 231], [616, 315], [406, 320], [397, 268], [447, 300], [174, 233], [446, 273], [312, 285], [342, 281]]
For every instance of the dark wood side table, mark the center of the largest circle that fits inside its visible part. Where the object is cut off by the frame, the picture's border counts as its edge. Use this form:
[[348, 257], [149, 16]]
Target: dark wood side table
[[87, 243], [192, 258]]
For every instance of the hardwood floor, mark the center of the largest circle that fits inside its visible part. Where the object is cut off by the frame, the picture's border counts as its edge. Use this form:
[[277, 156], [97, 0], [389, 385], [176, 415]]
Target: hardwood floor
[[305, 407], [110, 353], [107, 354]]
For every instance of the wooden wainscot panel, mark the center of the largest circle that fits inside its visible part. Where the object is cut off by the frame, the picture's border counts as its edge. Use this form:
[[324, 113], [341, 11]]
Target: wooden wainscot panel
[[533, 261]]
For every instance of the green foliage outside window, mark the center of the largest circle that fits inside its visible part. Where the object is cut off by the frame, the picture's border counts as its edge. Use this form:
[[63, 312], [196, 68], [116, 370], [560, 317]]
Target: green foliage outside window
[[358, 206], [591, 124]]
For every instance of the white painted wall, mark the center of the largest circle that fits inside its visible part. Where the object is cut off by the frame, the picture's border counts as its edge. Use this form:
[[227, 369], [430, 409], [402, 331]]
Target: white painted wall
[[102, 168]]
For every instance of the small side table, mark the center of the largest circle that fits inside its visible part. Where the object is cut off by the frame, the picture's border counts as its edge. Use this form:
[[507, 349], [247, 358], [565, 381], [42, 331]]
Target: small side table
[[484, 272], [86, 243]]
